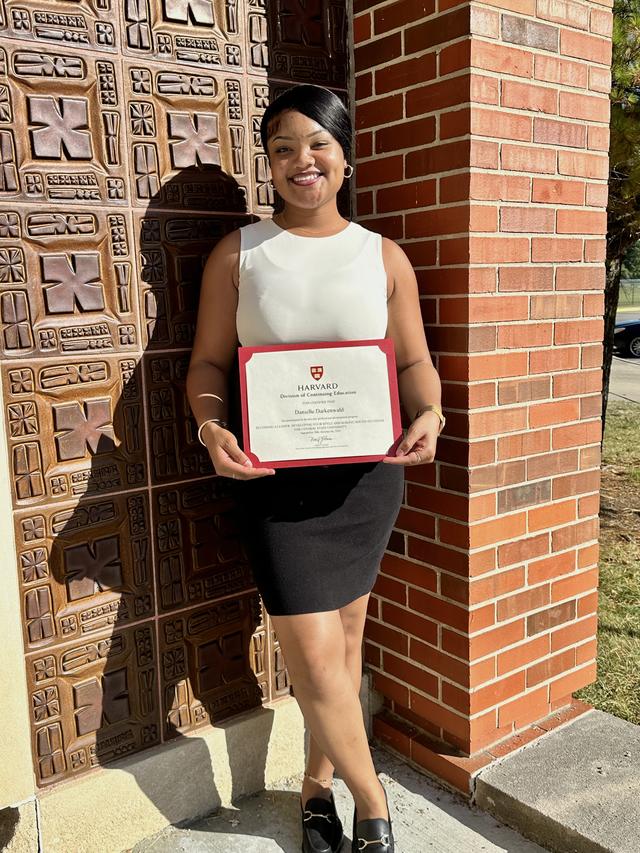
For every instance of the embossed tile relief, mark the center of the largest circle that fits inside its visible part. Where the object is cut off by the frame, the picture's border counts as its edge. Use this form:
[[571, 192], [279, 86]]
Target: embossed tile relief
[[129, 145]]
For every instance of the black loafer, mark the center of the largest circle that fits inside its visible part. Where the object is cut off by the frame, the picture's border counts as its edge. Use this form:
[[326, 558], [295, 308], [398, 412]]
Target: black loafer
[[321, 826], [372, 835]]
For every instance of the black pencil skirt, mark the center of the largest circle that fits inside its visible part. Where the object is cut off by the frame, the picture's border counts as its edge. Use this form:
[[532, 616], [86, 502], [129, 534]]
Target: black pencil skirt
[[315, 536]]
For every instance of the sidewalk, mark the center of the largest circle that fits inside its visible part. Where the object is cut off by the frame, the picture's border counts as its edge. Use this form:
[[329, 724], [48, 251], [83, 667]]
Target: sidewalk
[[425, 817]]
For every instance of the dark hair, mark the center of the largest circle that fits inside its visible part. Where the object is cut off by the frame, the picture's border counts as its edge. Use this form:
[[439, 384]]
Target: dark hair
[[316, 102]]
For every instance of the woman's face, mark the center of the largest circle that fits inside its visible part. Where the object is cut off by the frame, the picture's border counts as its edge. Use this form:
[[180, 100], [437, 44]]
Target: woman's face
[[307, 162]]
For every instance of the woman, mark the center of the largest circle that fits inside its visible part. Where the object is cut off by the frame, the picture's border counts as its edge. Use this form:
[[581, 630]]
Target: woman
[[316, 534]]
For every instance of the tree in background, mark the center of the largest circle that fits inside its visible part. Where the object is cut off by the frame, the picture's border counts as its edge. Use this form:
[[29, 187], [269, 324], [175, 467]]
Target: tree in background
[[623, 208]]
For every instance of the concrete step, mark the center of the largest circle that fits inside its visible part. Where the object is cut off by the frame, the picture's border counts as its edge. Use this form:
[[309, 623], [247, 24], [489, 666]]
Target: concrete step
[[575, 789], [425, 817]]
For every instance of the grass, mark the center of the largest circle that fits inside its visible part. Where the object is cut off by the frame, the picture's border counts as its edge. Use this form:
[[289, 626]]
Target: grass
[[617, 689]]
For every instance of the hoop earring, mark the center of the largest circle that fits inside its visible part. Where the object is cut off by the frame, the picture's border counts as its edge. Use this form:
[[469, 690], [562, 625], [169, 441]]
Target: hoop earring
[[349, 166]]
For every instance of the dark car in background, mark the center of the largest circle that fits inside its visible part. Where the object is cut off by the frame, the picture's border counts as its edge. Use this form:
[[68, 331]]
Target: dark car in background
[[626, 338]]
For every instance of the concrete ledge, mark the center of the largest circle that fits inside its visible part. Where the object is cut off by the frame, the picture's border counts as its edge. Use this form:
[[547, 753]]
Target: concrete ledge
[[574, 790], [113, 808], [19, 828]]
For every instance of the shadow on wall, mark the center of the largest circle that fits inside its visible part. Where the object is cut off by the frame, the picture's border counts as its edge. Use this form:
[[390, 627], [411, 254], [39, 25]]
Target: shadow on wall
[[151, 657]]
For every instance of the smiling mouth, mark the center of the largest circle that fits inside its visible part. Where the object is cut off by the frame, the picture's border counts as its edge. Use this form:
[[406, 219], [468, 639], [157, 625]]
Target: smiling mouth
[[307, 181]]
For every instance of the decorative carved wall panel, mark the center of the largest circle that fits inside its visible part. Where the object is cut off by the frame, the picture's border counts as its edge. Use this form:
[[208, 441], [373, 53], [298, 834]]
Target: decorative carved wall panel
[[129, 145]]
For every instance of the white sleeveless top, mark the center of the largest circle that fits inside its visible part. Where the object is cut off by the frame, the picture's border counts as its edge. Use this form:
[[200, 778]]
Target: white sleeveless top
[[295, 289]]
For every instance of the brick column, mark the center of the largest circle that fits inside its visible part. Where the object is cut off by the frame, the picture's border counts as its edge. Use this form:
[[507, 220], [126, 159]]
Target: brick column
[[482, 139]]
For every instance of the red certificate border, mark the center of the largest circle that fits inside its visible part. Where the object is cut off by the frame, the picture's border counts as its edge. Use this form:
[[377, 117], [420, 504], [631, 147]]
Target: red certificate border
[[385, 344]]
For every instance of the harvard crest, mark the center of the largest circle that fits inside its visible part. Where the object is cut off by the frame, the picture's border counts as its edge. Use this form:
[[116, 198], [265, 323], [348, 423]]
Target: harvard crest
[[316, 371]]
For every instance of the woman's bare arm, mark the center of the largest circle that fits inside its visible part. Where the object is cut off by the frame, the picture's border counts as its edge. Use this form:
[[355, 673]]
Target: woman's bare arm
[[214, 349], [418, 380], [216, 339]]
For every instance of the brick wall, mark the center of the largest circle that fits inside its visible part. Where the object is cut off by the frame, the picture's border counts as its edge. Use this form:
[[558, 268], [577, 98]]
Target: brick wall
[[482, 140]]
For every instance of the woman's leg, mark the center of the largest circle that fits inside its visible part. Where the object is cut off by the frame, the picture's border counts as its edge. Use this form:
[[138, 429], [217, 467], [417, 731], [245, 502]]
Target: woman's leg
[[353, 617], [314, 649]]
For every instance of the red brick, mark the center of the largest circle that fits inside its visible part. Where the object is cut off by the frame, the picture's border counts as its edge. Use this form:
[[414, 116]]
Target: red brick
[[442, 611], [583, 165], [377, 52], [584, 46], [574, 585], [525, 278], [551, 515], [388, 588], [385, 636], [409, 674], [522, 602], [574, 633], [523, 549], [400, 14], [406, 196], [382, 170], [587, 604], [435, 96], [530, 219], [583, 278], [549, 618], [576, 434], [502, 59], [484, 187], [440, 663], [524, 158], [527, 96], [414, 573], [410, 622], [555, 191], [500, 124], [601, 22], [556, 306], [525, 709], [588, 555], [484, 90], [576, 484], [495, 585], [564, 358], [391, 688], [455, 57], [557, 132], [585, 107], [552, 463], [566, 12], [572, 681], [439, 715], [498, 692], [361, 28], [552, 666], [495, 639], [406, 134], [552, 69], [551, 567], [523, 654], [581, 221], [555, 249], [525, 389]]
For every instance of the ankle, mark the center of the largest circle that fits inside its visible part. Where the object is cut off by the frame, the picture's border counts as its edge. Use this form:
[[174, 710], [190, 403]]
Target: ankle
[[313, 786], [372, 804]]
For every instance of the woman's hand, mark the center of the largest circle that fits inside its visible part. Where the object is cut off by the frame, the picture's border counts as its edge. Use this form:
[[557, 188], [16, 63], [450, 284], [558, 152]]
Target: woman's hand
[[227, 457], [419, 444]]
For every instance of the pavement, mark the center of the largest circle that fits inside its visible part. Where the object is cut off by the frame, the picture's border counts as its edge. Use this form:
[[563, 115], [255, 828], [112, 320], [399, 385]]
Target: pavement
[[575, 790], [425, 819], [624, 382]]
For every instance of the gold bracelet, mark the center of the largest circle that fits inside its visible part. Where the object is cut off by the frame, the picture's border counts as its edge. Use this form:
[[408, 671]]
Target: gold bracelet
[[432, 407], [208, 421]]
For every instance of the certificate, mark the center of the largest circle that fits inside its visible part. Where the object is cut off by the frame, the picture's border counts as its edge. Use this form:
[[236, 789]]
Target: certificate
[[319, 403]]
